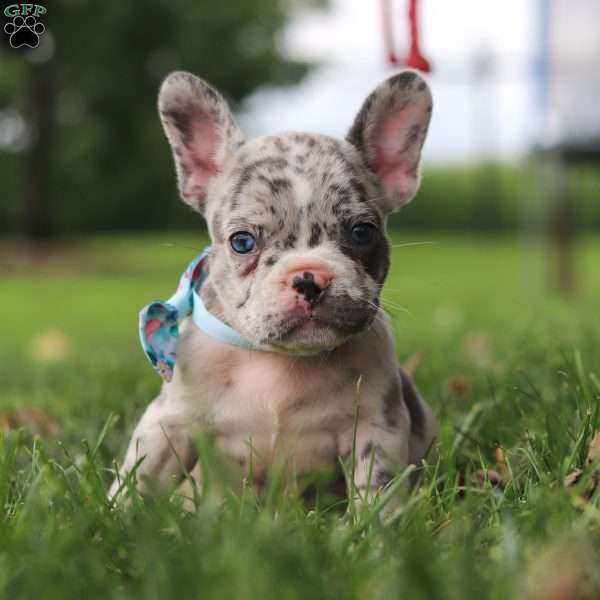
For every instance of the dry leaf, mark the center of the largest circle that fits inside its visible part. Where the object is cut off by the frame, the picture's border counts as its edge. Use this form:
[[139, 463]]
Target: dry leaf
[[477, 348], [500, 460], [460, 386], [32, 420], [499, 456], [573, 478], [594, 449], [480, 477], [50, 346], [413, 363]]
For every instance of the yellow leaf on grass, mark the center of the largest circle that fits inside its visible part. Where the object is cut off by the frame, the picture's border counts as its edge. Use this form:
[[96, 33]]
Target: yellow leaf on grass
[[33, 420], [594, 449], [593, 456], [52, 345]]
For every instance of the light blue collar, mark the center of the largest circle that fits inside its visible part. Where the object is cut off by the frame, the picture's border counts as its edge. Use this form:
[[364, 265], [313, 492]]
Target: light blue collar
[[159, 321], [215, 327]]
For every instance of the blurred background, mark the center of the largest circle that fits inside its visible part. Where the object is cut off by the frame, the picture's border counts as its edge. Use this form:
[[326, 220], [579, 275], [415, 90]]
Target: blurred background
[[81, 149], [493, 293], [506, 223]]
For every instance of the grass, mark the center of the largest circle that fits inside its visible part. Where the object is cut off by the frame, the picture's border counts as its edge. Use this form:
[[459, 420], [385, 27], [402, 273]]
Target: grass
[[503, 362]]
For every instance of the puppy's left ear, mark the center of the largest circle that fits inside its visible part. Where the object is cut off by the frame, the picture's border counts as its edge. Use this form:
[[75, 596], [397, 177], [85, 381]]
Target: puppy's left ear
[[201, 130], [389, 132]]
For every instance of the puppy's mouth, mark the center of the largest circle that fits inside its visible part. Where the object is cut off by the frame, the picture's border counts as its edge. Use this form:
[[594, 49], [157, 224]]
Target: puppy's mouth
[[325, 326]]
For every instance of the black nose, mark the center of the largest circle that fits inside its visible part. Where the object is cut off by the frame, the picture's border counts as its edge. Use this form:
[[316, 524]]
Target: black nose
[[306, 286]]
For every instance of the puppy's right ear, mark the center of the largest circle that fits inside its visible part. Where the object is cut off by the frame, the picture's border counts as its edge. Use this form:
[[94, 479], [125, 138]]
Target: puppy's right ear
[[201, 131]]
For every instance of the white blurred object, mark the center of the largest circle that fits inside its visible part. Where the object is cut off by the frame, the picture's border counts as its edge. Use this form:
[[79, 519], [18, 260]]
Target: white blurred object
[[573, 74], [347, 42]]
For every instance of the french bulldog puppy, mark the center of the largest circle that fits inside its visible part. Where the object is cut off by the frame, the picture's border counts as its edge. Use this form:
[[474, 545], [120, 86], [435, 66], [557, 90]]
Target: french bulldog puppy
[[299, 257]]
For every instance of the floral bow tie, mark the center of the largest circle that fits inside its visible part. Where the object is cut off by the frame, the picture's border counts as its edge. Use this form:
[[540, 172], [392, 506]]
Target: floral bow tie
[[159, 321]]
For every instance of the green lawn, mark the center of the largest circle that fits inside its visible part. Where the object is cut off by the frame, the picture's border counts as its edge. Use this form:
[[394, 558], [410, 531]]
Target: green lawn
[[503, 362]]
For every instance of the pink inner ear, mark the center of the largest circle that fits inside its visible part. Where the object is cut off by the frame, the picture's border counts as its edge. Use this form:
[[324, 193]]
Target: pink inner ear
[[199, 152], [396, 150]]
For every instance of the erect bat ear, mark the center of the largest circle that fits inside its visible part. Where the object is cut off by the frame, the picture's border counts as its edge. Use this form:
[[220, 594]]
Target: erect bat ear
[[201, 131], [389, 132]]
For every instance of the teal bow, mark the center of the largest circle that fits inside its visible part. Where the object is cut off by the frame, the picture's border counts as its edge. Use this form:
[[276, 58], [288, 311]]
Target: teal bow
[[159, 321]]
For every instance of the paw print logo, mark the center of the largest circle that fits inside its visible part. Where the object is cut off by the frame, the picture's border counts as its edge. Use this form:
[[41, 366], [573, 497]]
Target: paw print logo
[[24, 31]]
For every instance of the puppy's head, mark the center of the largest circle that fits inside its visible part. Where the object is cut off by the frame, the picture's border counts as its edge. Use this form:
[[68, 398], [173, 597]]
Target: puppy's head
[[297, 220]]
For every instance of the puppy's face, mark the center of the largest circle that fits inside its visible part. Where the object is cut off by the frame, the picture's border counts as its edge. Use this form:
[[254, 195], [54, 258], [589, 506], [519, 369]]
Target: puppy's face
[[300, 250], [297, 220]]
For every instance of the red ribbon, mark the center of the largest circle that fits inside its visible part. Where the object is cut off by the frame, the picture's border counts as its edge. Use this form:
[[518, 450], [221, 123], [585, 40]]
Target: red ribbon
[[415, 58]]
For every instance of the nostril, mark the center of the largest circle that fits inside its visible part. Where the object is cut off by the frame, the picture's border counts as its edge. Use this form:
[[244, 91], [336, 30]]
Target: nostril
[[307, 286]]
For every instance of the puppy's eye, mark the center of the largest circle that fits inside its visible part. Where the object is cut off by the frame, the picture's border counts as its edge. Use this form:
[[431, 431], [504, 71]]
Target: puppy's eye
[[242, 242], [362, 233]]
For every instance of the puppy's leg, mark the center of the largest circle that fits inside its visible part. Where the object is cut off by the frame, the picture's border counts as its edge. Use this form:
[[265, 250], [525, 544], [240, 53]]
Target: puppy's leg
[[401, 436], [189, 487], [162, 440], [380, 454], [423, 426]]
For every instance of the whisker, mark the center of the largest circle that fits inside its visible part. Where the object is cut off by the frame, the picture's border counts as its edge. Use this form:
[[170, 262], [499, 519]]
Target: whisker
[[170, 245], [390, 304], [396, 307], [408, 244], [379, 312], [386, 301]]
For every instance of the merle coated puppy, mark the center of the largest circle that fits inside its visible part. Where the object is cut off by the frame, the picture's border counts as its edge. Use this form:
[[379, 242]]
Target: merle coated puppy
[[299, 257]]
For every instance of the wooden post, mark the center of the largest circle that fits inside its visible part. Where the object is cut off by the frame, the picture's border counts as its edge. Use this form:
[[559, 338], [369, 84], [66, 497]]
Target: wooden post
[[37, 215]]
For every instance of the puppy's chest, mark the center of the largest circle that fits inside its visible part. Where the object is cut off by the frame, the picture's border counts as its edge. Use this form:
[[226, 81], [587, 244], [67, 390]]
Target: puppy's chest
[[264, 403], [265, 396], [263, 406], [277, 414]]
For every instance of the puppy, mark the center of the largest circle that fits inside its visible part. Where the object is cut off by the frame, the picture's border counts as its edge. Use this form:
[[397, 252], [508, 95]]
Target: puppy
[[299, 257]]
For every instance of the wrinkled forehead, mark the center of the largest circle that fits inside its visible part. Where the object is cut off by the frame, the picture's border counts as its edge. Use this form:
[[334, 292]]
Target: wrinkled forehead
[[293, 178]]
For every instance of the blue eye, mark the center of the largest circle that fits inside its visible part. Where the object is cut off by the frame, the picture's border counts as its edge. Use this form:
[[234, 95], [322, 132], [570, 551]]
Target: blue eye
[[242, 242], [362, 233]]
